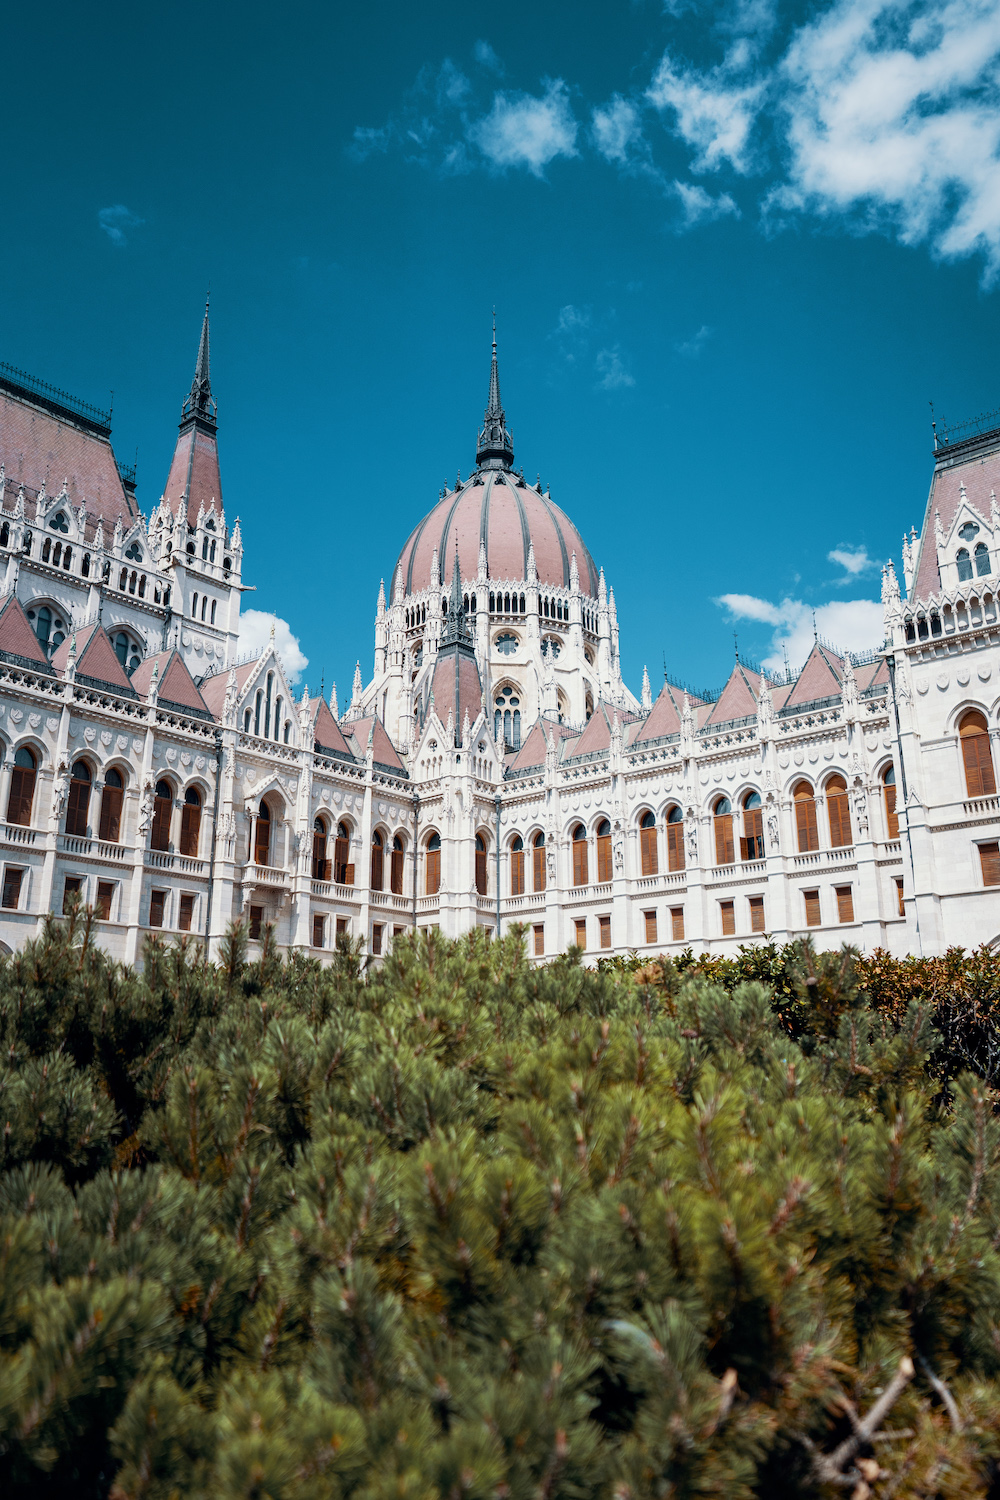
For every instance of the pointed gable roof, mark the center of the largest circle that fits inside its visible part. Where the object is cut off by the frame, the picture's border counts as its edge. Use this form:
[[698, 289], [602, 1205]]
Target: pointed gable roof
[[738, 699], [385, 753], [972, 465], [96, 661], [821, 677], [213, 689], [665, 715], [17, 639], [175, 688], [532, 751], [874, 673], [326, 731]]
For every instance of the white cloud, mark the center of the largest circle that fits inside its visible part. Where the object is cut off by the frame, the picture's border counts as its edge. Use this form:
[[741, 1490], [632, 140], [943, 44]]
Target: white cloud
[[255, 635], [613, 373], [522, 130], [486, 57], [115, 220], [851, 624], [692, 347], [713, 113], [700, 207], [853, 560], [617, 130]]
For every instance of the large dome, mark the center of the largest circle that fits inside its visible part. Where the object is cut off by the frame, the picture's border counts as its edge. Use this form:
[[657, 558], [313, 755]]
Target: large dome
[[499, 509]]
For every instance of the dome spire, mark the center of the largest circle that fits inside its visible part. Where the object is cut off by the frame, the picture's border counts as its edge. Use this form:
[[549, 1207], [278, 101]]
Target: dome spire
[[495, 448], [200, 404]]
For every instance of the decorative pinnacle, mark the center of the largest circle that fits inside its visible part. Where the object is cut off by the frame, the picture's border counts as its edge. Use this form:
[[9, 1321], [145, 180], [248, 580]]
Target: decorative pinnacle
[[495, 446], [200, 403]]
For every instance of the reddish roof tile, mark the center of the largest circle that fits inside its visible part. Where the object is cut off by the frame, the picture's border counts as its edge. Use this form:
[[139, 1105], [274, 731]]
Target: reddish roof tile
[[326, 730], [176, 685], [95, 657], [872, 674], [665, 715], [16, 635], [213, 689], [821, 677], [358, 731], [738, 699], [532, 751], [456, 687], [980, 473], [194, 472]]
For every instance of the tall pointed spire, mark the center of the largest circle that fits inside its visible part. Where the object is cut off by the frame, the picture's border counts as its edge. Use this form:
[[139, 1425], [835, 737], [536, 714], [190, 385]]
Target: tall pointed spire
[[194, 484], [200, 404], [495, 448], [455, 626]]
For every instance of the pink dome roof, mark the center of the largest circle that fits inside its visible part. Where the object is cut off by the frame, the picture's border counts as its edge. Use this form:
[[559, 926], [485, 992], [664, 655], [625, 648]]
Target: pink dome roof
[[497, 508]]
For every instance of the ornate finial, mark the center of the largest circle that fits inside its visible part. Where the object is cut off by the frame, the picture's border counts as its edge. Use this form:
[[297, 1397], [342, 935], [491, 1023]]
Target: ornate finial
[[200, 404], [495, 445], [435, 569], [334, 709], [456, 627], [358, 686], [647, 692], [380, 607], [273, 623]]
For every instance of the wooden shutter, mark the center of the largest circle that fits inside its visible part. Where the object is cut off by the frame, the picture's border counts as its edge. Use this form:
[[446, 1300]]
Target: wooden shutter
[[891, 815], [989, 858], [539, 864], [845, 904], [900, 899], [156, 903], [727, 910], [317, 932], [517, 872], [979, 778], [539, 940], [675, 846], [481, 871], [725, 851], [677, 923], [190, 829], [581, 932], [377, 867], [580, 872], [603, 858], [756, 913], [811, 899], [111, 815], [396, 872], [160, 835], [805, 824], [340, 853], [840, 819], [752, 846], [650, 919], [22, 791], [605, 925], [433, 871], [647, 844], [76, 812]]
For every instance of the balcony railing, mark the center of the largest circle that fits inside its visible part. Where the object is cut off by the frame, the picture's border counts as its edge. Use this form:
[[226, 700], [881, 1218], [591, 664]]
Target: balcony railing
[[180, 864], [16, 833], [840, 856], [92, 849], [982, 807]]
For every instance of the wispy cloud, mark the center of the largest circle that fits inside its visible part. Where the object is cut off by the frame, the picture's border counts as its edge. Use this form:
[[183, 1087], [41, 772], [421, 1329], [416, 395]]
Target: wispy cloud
[[612, 372], [692, 347], [255, 633], [851, 624], [853, 560], [115, 221], [487, 58], [699, 205], [523, 130], [712, 111]]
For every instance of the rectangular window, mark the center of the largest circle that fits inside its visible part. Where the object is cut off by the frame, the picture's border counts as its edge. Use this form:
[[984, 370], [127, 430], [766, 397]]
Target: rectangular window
[[675, 846], [185, 915], [649, 917], [989, 858], [105, 896], [727, 911], [12, 888], [605, 926], [318, 925], [256, 922], [397, 930], [581, 932], [157, 903], [845, 904], [433, 871], [377, 938], [811, 899], [539, 932], [752, 846], [677, 923], [73, 887], [757, 914], [516, 871], [647, 851], [341, 926], [840, 819], [900, 903]]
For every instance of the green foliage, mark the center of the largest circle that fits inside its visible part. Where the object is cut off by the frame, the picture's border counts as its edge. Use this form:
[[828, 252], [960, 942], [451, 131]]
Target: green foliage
[[465, 1227]]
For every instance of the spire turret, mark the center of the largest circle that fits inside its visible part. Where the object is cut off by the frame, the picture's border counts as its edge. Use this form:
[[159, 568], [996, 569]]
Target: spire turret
[[200, 405], [495, 447], [456, 630]]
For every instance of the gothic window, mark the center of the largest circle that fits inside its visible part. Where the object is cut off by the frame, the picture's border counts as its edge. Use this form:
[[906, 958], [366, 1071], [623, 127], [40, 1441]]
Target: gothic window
[[262, 836], [839, 809], [675, 838], [123, 580], [5, 534], [214, 603], [343, 872], [204, 605], [480, 865], [889, 792], [191, 822], [538, 856], [396, 866], [964, 564], [320, 865], [258, 702], [194, 606], [551, 647], [288, 729], [246, 721], [142, 586], [506, 644], [980, 780], [56, 554], [378, 856], [982, 559], [163, 806], [581, 874], [968, 530], [433, 882], [507, 716], [209, 524], [267, 706], [211, 553], [647, 844], [79, 800], [84, 565], [59, 522], [227, 564], [22, 786], [517, 866], [725, 852], [121, 647], [589, 706], [109, 828], [43, 626], [204, 549], [752, 842], [806, 826], [67, 558], [277, 715]]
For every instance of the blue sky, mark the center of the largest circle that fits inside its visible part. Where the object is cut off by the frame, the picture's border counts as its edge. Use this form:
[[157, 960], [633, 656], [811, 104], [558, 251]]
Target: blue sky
[[735, 249]]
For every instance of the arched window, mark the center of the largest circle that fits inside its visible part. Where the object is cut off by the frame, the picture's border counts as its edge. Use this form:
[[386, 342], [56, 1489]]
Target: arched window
[[752, 842], [22, 786], [538, 861], [603, 852], [267, 706], [980, 780], [191, 822], [378, 860], [46, 549], [68, 558], [246, 721], [647, 844], [433, 864], [84, 565], [5, 534], [277, 715], [507, 715], [262, 836], [43, 626], [121, 647], [480, 865], [214, 603], [396, 866], [964, 564], [889, 791], [109, 829], [258, 701], [725, 850], [79, 800], [343, 872], [320, 863], [805, 817], [675, 838], [163, 806], [839, 808], [517, 866], [581, 874], [982, 559]]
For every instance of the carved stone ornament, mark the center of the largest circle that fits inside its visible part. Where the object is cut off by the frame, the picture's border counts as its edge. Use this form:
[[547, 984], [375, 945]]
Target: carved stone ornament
[[35, 719]]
